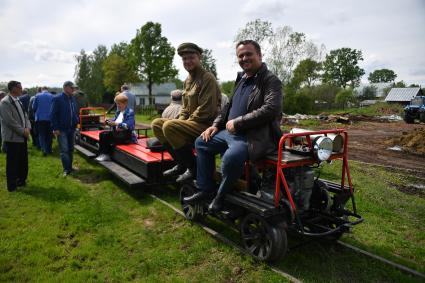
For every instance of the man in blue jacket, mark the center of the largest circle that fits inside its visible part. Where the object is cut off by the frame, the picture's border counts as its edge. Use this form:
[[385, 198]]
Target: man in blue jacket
[[41, 106], [64, 119]]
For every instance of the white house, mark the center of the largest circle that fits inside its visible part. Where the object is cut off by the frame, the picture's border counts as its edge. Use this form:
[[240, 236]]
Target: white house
[[380, 88], [403, 95], [160, 93]]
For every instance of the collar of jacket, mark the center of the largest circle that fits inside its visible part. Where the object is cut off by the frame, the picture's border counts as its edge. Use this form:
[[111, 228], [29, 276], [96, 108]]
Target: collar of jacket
[[66, 96], [125, 112], [195, 74], [15, 99], [259, 73]]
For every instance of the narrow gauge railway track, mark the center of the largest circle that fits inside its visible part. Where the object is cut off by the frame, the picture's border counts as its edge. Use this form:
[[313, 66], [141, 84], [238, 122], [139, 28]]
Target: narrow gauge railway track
[[276, 269], [225, 240]]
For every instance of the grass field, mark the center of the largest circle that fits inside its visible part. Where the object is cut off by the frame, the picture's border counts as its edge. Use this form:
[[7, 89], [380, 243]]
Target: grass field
[[378, 109], [89, 227]]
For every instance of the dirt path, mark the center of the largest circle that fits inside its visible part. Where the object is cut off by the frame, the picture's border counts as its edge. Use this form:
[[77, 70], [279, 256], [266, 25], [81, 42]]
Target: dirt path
[[367, 144]]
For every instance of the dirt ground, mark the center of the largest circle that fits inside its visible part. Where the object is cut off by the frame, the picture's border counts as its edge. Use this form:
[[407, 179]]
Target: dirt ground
[[369, 142]]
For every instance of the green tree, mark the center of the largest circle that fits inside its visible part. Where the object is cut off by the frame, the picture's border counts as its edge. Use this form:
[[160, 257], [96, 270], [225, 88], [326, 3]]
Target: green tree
[[208, 62], [298, 102], [307, 72], [282, 48], [344, 97], [117, 71], [82, 71], [152, 56], [120, 49], [97, 88], [414, 85], [400, 84], [368, 92], [382, 76], [257, 30], [341, 67], [227, 87]]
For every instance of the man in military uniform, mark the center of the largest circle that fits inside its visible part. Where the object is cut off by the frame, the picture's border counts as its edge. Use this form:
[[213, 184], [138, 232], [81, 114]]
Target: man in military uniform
[[201, 101]]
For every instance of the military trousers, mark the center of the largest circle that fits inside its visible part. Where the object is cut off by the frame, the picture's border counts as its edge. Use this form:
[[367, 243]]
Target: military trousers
[[177, 133]]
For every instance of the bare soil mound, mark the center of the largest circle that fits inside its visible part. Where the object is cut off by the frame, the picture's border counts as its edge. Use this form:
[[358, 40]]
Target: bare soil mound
[[413, 142]]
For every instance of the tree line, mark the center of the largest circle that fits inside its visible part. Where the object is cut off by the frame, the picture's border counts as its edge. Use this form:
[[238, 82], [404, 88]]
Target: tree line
[[148, 58], [311, 76]]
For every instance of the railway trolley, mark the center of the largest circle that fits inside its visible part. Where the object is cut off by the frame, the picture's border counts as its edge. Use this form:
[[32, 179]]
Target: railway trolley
[[282, 193]]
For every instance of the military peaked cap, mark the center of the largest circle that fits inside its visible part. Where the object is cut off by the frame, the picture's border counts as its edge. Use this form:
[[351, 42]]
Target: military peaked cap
[[189, 47]]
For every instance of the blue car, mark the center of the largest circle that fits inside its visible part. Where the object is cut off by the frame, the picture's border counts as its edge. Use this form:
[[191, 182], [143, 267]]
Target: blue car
[[415, 110]]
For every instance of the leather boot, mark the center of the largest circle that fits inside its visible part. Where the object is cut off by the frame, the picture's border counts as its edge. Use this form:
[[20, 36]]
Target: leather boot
[[188, 175], [217, 204], [185, 155], [176, 170], [198, 197]]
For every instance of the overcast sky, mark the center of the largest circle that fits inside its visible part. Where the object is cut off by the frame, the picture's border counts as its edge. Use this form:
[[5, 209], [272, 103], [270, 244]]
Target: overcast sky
[[39, 39]]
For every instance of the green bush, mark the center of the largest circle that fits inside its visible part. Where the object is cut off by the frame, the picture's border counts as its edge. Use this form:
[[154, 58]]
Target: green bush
[[343, 97], [298, 103]]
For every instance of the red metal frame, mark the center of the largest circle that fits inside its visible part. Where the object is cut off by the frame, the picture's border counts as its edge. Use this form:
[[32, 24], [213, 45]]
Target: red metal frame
[[280, 165], [88, 109]]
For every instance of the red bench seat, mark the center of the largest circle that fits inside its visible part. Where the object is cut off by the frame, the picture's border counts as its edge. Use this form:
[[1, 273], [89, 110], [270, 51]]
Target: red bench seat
[[138, 150]]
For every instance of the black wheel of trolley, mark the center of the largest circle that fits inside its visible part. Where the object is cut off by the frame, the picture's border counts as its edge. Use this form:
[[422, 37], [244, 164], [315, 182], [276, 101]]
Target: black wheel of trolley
[[191, 212], [264, 241]]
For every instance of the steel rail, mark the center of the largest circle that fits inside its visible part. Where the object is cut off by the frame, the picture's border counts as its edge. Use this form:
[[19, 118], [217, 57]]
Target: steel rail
[[223, 239]]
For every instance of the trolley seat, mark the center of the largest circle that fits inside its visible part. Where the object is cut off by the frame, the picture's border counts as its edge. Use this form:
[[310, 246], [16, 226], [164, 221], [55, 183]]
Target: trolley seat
[[138, 150]]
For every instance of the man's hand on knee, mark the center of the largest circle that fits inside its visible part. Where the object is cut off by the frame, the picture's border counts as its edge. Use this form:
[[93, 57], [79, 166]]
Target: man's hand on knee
[[209, 133]]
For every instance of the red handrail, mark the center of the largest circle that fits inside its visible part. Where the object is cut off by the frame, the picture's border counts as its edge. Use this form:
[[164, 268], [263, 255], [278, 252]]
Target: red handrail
[[89, 109], [280, 176]]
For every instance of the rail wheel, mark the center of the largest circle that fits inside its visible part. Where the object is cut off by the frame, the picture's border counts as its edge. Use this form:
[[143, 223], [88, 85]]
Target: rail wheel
[[191, 212], [264, 241]]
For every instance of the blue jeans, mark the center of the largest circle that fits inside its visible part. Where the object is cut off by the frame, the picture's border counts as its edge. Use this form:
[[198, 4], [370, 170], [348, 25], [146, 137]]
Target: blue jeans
[[234, 151], [66, 147], [44, 131]]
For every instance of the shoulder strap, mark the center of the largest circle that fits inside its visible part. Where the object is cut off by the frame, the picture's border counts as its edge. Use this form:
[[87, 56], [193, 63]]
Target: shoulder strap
[[17, 111]]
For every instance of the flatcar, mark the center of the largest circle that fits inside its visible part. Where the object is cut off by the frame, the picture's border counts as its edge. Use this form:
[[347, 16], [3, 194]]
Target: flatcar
[[281, 194]]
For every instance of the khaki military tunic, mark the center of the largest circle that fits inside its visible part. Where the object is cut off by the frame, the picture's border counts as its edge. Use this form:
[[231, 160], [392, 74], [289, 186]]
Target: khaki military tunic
[[201, 101]]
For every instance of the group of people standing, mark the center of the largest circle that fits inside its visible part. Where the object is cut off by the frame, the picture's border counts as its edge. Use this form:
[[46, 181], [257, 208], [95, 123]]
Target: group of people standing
[[43, 116]]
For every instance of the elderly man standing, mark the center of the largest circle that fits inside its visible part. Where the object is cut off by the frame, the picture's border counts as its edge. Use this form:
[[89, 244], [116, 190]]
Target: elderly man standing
[[41, 106], [201, 101], [15, 132], [172, 111], [248, 130], [64, 120], [2, 94], [130, 96]]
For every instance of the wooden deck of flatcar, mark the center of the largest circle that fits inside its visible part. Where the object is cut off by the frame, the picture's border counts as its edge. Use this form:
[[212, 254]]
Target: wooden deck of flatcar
[[135, 157]]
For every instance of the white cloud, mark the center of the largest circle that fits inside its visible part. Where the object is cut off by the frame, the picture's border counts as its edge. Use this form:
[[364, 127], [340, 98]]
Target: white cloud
[[41, 51], [40, 38], [265, 9]]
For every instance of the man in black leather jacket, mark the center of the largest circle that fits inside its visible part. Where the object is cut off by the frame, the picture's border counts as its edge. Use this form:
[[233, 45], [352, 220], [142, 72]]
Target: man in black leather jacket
[[247, 129]]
